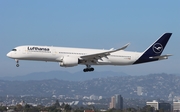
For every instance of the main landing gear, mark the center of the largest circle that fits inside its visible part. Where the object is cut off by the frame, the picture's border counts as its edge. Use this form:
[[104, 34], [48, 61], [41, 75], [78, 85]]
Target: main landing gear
[[17, 62], [88, 69]]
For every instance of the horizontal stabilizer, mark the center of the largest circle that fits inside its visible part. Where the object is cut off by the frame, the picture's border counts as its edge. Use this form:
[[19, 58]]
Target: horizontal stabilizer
[[161, 57]]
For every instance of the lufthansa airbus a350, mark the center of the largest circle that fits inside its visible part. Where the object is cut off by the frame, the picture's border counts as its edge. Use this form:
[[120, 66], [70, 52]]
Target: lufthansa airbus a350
[[69, 57]]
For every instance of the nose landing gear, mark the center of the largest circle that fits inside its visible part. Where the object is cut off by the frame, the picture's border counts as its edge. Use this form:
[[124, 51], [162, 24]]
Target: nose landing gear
[[17, 65], [17, 62]]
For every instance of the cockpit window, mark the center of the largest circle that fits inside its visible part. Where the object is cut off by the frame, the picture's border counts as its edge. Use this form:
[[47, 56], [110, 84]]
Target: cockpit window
[[14, 49]]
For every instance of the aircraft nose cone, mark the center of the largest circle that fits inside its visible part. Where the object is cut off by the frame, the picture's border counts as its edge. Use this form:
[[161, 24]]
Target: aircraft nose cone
[[8, 54]]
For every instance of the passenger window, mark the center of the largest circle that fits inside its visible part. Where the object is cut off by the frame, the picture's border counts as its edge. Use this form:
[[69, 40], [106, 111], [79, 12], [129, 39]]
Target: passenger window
[[14, 50]]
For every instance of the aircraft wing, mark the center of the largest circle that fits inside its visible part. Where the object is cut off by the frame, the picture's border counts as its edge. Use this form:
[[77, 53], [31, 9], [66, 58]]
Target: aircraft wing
[[102, 54], [161, 57]]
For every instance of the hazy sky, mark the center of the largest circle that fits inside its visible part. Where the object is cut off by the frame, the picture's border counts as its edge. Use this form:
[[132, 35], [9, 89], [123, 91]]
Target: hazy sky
[[91, 24]]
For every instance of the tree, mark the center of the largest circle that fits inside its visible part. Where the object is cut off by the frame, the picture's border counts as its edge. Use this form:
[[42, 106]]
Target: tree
[[57, 104], [79, 109], [63, 105], [18, 107], [67, 107], [148, 108], [53, 109], [27, 106], [3, 108], [131, 110]]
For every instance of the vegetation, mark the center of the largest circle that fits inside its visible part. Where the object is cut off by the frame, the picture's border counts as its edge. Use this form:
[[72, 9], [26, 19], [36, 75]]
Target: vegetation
[[67, 108]]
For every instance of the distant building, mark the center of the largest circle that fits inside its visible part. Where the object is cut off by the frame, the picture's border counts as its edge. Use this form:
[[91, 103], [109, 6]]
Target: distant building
[[61, 96], [139, 91], [73, 103], [176, 98], [160, 105], [22, 103], [154, 104], [13, 103], [100, 97], [89, 111], [94, 97], [116, 102], [112, 103], [176, 106], [171, 96]]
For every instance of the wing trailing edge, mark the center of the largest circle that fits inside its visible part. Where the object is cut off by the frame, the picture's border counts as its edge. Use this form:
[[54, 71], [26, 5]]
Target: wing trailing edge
[[103, 54]]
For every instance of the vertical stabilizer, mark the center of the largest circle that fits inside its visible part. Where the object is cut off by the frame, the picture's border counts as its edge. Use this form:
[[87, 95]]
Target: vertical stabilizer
[[155, 49]]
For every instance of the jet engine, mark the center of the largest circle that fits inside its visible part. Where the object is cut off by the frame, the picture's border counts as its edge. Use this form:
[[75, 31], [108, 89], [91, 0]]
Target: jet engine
[[69, 62]]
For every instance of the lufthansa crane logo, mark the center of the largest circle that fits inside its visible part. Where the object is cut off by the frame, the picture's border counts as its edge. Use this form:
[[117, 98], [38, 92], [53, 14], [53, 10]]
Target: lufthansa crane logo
[[157, 48]]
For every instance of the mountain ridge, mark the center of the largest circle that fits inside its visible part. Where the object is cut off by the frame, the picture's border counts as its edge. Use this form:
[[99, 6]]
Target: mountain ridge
[[163, 86], [64, 75]]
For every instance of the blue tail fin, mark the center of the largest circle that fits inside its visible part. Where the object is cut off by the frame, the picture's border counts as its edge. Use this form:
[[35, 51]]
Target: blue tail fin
[[155, 49]]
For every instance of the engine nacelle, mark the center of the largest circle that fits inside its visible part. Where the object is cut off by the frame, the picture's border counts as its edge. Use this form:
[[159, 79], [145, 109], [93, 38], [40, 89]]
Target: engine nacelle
[[69, 62]]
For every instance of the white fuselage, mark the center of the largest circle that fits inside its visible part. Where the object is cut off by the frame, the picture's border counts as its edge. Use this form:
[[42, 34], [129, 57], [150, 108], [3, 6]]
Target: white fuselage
[[56, 54], [69, 57]]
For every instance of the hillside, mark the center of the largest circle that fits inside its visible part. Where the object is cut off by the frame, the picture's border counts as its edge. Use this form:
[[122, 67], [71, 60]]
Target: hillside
[[154, 86]]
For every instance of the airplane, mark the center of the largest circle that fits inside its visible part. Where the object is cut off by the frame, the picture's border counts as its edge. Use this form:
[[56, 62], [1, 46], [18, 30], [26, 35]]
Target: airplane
[[70, 57]]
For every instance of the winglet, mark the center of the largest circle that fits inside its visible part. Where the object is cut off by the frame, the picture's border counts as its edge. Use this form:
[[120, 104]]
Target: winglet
[[122, 48]]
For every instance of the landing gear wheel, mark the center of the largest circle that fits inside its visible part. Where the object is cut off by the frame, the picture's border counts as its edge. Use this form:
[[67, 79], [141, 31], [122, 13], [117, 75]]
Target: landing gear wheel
[[88, 69], [85, 70], [91, 69], [17, 65]]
